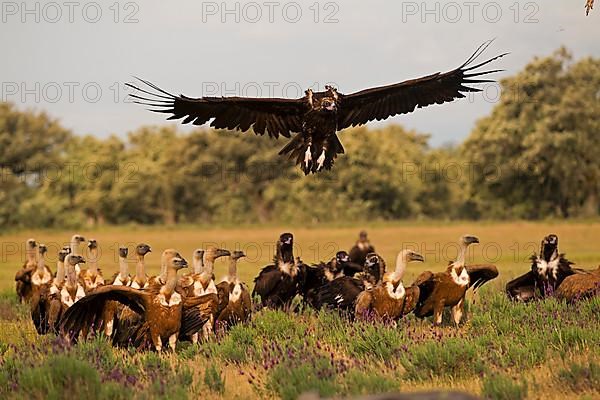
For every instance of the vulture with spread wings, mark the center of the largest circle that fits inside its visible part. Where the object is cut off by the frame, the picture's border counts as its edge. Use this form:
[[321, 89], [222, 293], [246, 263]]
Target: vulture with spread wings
[[316, 117]]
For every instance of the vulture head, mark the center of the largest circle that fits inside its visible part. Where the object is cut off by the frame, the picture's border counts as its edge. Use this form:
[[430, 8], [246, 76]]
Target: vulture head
[[411, 256], [212, 253], [42, 248], [362, 236], [178, 263], [62, 255], [374, 266], [123, 252], [341, 257], [67, 249], [549, 247], [74, 260], [469, 239], [326, 102], [198, 254], [31, 244], [92, 244], [78, 238], [236, 255], [142, 249]]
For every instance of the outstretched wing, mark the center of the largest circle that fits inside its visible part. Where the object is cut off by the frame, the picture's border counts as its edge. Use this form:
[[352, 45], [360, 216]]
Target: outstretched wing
[[90, 309], [402, 98], [589, 5], [480, 274], [271, 115]]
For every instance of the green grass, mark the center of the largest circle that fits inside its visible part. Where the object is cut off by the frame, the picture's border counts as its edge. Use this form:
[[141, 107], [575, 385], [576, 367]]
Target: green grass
[[503, 350]]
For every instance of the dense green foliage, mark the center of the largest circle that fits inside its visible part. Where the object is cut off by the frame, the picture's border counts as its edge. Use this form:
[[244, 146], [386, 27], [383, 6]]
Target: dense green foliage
[[533, 157]]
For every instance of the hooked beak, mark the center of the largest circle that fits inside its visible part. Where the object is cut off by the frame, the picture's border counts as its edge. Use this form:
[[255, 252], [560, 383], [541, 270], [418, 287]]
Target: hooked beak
[[417, 257], [222, 253]]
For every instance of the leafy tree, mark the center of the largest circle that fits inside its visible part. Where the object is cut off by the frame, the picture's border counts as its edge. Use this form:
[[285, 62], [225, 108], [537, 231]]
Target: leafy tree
[[536, 154]]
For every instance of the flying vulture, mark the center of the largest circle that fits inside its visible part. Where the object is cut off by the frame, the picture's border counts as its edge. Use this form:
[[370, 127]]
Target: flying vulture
[[589, 5], [318, 116]]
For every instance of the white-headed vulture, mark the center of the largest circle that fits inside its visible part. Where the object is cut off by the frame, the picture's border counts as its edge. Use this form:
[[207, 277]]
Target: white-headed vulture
[[54, 297], [140, 280], [362, 247], [341, 293], [203, 283], [318, 116], [91, 277], [548, 270], [75, 250], [70, 292], [278, 283], [390, 300], [239, 306], [161, 307], [448, 288], [23, 276], [122, 277]]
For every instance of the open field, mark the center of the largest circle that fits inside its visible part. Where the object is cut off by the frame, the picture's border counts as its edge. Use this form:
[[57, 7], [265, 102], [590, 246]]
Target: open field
[[506, 351]]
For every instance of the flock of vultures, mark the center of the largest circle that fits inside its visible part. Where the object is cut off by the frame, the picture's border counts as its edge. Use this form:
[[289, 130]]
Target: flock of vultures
[[153, 311]]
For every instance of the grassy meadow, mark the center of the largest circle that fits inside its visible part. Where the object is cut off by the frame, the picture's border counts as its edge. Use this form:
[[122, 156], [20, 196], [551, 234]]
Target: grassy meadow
[[501, 351]]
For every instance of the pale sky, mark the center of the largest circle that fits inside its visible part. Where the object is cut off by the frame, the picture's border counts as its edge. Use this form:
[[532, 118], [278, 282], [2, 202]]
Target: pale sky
[[71, 58]]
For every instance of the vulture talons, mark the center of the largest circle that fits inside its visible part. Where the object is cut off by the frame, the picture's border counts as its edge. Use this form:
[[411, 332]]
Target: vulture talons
[[321, 161], [307, 157]]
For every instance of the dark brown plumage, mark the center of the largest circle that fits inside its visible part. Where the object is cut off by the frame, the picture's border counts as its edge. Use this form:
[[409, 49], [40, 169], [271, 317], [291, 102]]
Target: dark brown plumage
[[278, 283], [67, 294], [342, 292], [362, 247], [548, 270], [313, 278], [390, 300], [448, 288], [317, 117]]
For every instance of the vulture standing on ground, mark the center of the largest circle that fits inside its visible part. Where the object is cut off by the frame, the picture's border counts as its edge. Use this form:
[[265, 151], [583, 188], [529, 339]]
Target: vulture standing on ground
[[390, 300], [70, 293], [448, 288], [161, 308], [548, 270], [203, 283], [23, 276], [358, 253], [318, 116], [239, 306], [91, 277], [314, 277], [341, 293], [41, 280], [121, 278], [278, 283], [54, 302]]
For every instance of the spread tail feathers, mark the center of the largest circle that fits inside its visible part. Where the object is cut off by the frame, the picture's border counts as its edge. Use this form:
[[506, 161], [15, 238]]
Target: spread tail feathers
[[313, 157]]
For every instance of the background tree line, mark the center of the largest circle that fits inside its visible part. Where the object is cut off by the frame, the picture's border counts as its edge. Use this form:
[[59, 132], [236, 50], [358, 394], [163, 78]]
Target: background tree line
[[534, 156]]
